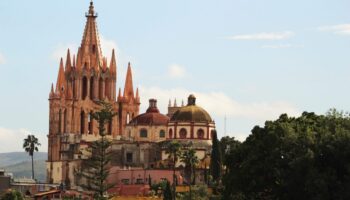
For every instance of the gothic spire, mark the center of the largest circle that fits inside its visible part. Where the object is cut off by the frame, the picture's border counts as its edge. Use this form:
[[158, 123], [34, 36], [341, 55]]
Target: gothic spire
[[129, 88], [90, 44], [68, 61], [60, 78], [113, 64], [52, 93]]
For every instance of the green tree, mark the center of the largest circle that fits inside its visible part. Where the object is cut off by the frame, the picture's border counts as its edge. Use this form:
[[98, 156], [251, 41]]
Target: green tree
[[30, 145], [12, 195], [167, 194], [215, 158], [228, 144], [191, 161], [95, 169], [292, 158], [189, 158], [174, 152]]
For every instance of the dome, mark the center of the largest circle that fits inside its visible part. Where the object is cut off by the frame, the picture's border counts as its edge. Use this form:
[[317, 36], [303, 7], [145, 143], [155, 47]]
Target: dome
[[191, 112], [151, 117]]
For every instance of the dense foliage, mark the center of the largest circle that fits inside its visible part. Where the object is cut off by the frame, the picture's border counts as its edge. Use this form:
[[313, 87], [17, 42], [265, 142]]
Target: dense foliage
[[11, 195], [292, 158]]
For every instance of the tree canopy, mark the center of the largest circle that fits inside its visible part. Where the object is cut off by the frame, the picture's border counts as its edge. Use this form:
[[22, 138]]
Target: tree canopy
[[292, 158]]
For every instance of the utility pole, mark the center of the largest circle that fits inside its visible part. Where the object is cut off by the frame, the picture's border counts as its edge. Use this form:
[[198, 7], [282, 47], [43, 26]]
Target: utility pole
[[225, 133]]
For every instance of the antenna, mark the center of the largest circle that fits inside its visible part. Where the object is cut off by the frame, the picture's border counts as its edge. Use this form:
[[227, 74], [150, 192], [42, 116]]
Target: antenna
[[225, 133]]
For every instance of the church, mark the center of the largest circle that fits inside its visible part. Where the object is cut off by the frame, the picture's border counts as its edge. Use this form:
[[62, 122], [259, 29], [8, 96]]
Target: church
[[87, 77]]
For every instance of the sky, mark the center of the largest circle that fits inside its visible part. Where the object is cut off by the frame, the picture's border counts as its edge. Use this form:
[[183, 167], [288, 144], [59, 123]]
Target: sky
[[246, 61]]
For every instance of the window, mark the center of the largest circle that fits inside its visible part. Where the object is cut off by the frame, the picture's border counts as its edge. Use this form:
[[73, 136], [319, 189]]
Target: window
[[100, 88], [65, 121], [91, 128], [110, 127], [107, 88], [60, 122], [74, 89], [143, 133], [93, 48], [139, 181], [200, 134], [183, 133], [82, 122], [125, 181], [170, 133], [92, 93], [84, 89], [162, 134], [127, 118], [129, 157]]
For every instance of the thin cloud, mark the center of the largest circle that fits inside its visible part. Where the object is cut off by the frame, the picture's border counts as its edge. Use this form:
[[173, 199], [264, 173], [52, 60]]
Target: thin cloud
[[218, 104], [176, 71], [282, 46], [11, 139], [2, 59], [264, 36], [340, 29]]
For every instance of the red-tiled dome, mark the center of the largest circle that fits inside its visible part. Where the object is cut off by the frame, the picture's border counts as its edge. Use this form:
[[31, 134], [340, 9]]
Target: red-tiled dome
[[151, 117]]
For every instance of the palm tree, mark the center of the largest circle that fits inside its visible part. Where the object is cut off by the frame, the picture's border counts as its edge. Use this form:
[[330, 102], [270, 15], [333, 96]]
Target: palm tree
[[191, 161], [30, 144], [174, 152]]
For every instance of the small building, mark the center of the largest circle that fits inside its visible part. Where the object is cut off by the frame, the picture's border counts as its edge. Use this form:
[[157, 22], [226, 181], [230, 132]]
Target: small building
[[5, 181]]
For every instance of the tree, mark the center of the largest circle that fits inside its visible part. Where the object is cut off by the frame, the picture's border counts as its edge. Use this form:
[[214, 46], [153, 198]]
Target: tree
[[191, 160], [30, 145], [167, 192], [174, 152], [215, 159], [12, 195], [96, 167], [228, 144], [292, 158]]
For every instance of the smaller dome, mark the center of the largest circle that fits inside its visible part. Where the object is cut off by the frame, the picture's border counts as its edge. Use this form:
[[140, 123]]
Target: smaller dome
[[191, 112], [151, 117]]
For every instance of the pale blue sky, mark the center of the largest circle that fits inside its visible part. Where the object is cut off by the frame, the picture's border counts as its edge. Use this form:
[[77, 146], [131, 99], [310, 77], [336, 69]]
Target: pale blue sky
[[249, 60]]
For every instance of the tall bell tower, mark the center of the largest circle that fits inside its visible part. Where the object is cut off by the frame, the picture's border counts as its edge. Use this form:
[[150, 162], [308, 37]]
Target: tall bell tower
[[83, 80]]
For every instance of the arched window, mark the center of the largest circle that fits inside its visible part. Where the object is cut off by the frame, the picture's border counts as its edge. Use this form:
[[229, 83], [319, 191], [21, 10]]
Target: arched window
[[65, 121], [93, 49], [84, 89], [200, 134], [91, 127], [82, 122], [107, 88], [162, 134], [183, 133], [127, 118], [170, 133], [100, 89], [74, 89], [110, 125], [92, 93], [60, 121], [143, 133]]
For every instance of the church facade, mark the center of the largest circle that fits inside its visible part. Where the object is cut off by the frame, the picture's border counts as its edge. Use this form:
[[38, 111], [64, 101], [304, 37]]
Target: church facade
[[138, 140]]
